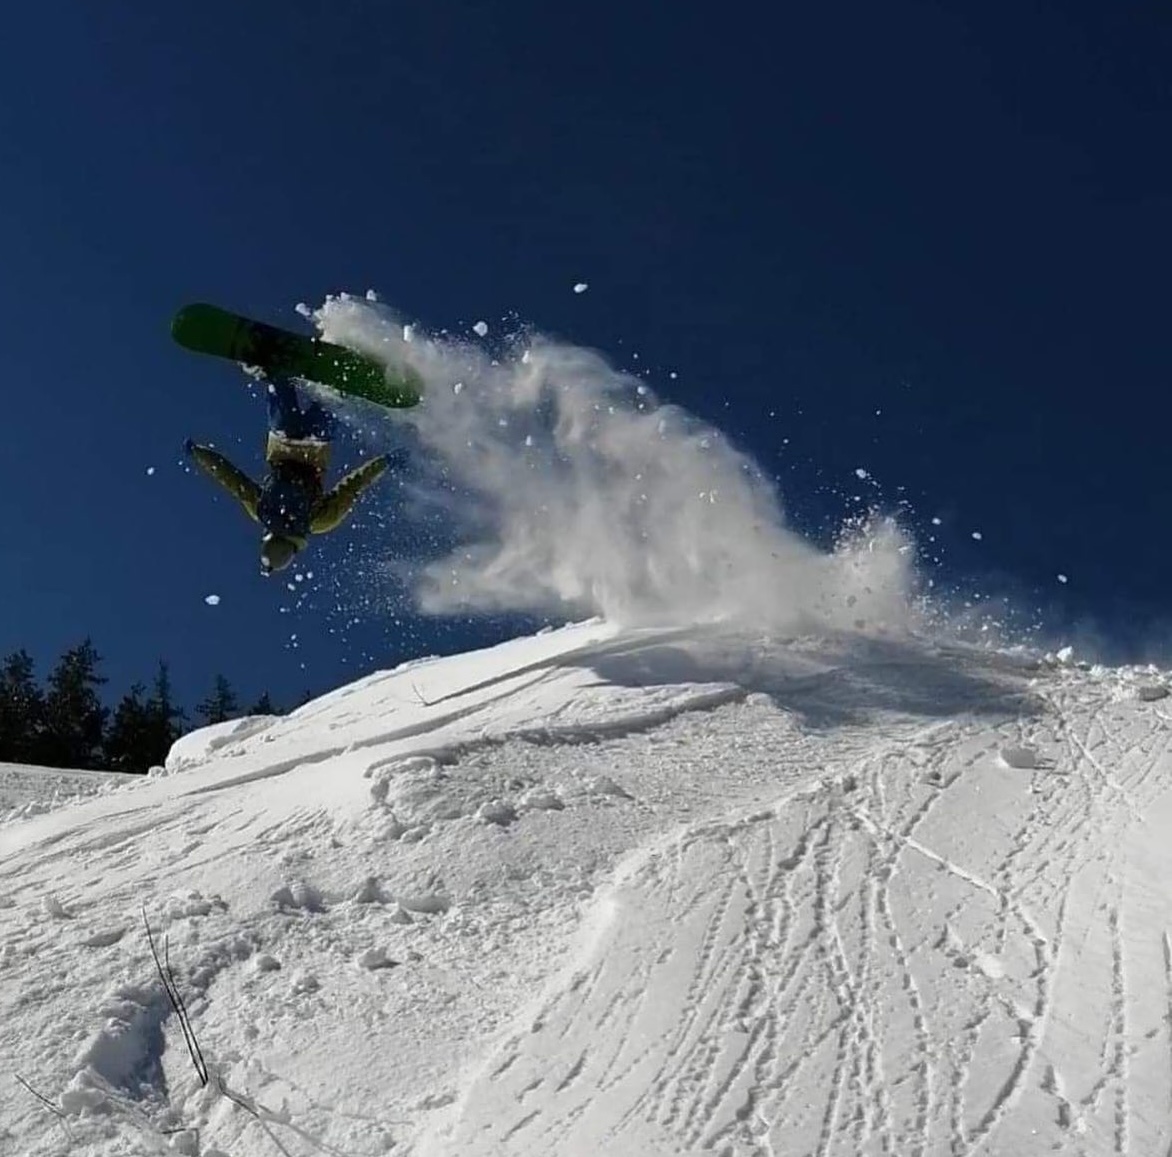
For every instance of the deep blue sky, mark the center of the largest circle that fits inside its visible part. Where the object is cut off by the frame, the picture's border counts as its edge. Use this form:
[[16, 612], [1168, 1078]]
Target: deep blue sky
[[957, 214]]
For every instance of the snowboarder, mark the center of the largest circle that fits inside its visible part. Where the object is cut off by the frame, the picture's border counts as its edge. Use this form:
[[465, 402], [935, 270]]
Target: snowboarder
[[291, 502]]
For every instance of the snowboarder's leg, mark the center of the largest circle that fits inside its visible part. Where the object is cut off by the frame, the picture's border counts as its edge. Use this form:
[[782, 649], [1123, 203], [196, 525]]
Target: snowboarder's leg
[[281, 398], [317, 421], [291, 417]]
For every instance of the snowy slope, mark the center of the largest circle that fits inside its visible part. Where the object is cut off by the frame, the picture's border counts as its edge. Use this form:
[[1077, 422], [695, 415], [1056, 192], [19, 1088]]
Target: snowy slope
[[28, 791], [629, 892]]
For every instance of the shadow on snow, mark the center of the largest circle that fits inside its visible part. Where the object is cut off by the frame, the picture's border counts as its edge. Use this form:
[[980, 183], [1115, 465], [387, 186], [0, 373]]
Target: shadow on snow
[[830, 681]]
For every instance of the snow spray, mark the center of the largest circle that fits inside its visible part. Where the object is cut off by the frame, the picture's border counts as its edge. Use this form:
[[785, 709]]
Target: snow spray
[[575, 490]]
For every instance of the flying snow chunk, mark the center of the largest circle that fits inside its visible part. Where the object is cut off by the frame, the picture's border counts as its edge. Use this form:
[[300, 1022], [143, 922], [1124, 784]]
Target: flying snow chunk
[[150, 471], [408, 333], [1063, 579], [977, 536], [862, 474], [581, 287], [480, 328], [212, 600]]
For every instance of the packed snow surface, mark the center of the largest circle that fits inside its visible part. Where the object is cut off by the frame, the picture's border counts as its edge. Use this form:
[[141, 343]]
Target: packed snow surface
[[614, 891]]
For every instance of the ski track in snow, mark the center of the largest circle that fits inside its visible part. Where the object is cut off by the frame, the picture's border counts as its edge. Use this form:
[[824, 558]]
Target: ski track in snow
[[652, 893]]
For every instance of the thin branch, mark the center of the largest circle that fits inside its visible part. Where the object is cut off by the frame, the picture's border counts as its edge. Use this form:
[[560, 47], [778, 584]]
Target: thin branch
[[266, 1116], [250, 1108], [55, 1109], [184, 1018], [263, 1115], [181, 1129], [172, 991]]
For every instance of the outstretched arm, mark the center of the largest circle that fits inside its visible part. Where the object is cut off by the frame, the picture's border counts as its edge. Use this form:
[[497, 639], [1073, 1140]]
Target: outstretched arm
[[336, 504], [235, 481]]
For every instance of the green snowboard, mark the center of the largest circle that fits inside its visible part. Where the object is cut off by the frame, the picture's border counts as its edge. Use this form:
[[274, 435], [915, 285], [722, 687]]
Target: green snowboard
[[207, 329]]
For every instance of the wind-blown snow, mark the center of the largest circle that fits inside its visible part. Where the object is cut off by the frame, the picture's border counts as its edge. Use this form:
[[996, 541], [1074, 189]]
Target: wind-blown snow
[[625, 892], [581, 493]]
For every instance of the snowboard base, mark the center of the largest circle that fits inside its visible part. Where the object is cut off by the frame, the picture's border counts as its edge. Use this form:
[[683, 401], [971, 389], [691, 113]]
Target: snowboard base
[[208, 329]]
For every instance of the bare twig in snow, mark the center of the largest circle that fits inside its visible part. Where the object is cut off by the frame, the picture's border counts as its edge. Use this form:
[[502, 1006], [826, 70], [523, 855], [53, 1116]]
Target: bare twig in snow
[[265, 1116], [56, 1110], [172, 990]]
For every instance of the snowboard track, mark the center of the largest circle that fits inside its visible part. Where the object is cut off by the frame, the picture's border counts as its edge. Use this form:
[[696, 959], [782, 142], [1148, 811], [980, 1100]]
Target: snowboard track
[[842, 953]]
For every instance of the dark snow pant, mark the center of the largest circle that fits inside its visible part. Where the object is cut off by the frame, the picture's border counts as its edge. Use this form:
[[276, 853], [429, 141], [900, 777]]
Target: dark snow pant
[[294, 415]]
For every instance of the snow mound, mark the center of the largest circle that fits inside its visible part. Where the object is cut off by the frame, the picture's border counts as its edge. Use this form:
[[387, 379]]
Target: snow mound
[[197, 746]]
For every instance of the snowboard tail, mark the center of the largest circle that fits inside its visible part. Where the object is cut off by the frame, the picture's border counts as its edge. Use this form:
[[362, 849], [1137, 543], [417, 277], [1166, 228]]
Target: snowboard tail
[[207, 329]]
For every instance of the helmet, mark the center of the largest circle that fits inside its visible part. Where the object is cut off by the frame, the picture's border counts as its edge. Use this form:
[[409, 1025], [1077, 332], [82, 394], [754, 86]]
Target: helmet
[[276, 552]]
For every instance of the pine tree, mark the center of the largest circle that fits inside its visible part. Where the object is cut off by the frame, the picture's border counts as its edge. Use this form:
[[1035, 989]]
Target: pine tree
[[74, 716], [129, 741], [221, 705], [165, 719], [22, 710], [263, 706]]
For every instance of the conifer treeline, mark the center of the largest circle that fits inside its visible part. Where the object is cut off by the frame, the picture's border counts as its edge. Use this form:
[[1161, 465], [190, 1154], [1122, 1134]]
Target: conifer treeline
[[63, 723]]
